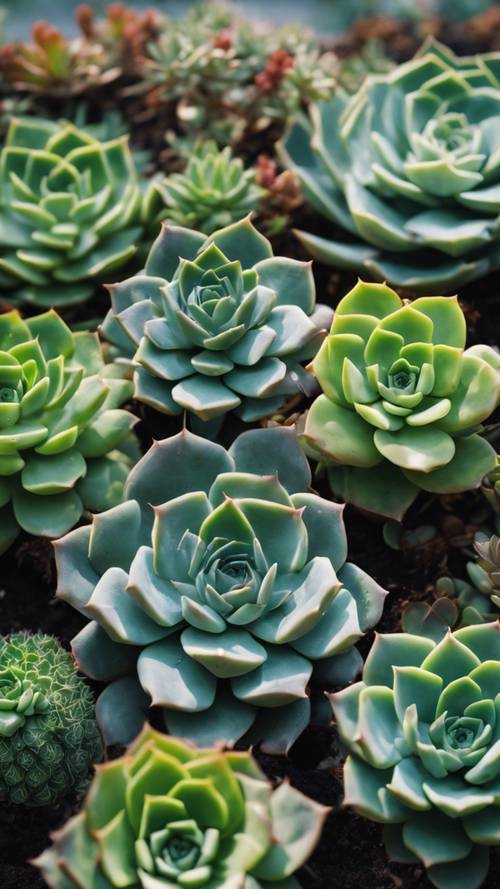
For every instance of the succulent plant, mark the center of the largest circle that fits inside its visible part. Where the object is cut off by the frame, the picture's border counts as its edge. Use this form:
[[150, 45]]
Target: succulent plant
[[491, 487], [69, 211], [213, 191], [222, 597], [408, 168], [218, 324], [48, 733], [422, 729], [61, 429], [402, 401], [167, 815]]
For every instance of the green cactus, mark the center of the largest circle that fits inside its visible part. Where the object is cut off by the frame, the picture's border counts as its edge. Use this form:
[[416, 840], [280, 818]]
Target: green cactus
[[402, 401], [226, 600], [169, 816], [61, 429], [69, 211], [218, 324], [48, 734], [408, 167], [423, 733]]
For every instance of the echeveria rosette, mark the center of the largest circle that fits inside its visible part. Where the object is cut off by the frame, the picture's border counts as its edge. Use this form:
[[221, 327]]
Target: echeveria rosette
[[170, 816], [48, 733], [409, 168], [213, 191], [403, 401], [69, 211], [423, 732], [224, 602], [63, 436], [218, 324]]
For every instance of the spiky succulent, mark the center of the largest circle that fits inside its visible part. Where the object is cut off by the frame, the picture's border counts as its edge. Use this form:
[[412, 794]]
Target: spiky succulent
[[214, 190], [60, 427], [408, 167], [402, 400], [69, 211], [166, 815], [48, 733], [423, 731], [223, 597], [218, 324]]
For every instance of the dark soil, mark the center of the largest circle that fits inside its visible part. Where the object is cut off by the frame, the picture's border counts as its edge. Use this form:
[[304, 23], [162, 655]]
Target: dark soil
[[350, 852]]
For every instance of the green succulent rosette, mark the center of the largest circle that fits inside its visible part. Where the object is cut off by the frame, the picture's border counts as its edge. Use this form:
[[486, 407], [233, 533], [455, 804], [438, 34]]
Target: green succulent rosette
[[214, 191], [224, 602], [423, 733], [408, 167], [403, 401], [65, 444], [218, 324], [48, 733], [69, 211], [170, 816]]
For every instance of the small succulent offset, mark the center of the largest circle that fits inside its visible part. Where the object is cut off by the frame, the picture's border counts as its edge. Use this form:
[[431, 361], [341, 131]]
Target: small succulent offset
[[218, 324], [48, 733], [480, 598], [213, 191], [222, 598], [423, 732], [402, 401], [168, 815], [408, 167], [61, 427], [69, 211]]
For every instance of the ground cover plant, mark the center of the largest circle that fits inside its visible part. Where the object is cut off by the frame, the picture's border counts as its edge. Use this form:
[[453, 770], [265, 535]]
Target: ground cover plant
[[249, 483]]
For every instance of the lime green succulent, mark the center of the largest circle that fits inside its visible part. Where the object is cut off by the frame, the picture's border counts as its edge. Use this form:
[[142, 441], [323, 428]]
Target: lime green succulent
[[224, 602], [214, 190], [218, 324], [62, 432], [48, 733], [69, 211], [409, 168], [403, 401], [423, 733], [166, 815]]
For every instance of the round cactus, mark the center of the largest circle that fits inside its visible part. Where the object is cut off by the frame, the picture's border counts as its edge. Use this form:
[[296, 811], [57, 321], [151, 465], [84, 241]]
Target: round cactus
[[218, 324], [48, 734], [403, 401], [69, 211], [166, 815], [213, 191], [423, 731], [408, 167], [60, 426], [226, 600]]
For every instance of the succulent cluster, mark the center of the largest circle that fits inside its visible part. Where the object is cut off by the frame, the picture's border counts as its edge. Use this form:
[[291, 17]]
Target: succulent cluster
[[61, 427], [214, 190], [218, 324], [408, 168], [69, 211], [48, 734], [53, 64], [422, 728], [227, 79], [230, 590], [167, 815], [403, 401]]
